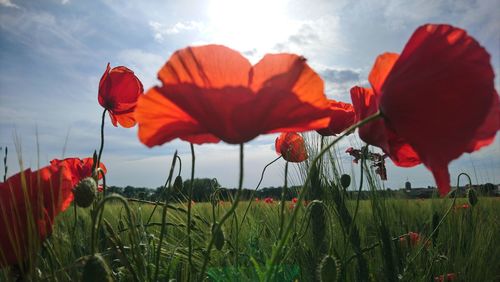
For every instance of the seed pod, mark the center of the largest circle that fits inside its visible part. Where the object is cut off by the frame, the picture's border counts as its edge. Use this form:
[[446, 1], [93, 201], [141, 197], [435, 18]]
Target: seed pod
[[85, 192], [328, 269], [96, 269], [345, 180], [178, 183], [219, 236], [472, 196]]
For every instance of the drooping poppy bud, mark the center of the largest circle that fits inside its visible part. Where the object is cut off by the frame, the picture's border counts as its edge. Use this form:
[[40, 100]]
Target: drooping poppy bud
[[345, 180], [218, 236], [472, 197], [85, 192], [328, 269], [292, 147], [96, 269]]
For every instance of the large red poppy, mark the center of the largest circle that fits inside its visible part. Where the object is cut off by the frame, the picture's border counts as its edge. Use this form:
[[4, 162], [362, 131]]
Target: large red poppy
[[29, 202], [342, 117], [119, 90], [79, 168], [212, 93], [437, 98], [292, 147]]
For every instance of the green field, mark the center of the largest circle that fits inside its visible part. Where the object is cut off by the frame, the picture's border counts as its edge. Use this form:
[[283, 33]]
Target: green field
[[465, 243]]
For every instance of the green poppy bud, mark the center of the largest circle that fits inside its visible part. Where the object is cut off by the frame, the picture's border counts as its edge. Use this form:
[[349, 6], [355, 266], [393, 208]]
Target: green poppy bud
[[96, 269], [472, 196], [328, 269], [345, 180], [178, 183], [85, 192], [219, 237]]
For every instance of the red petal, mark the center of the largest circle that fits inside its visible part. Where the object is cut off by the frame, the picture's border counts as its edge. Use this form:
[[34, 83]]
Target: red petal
[[381, 68], [442, 177], [438, 93], [342, 117], [161, 121], [292, 147], [486, 133], [210, 66]]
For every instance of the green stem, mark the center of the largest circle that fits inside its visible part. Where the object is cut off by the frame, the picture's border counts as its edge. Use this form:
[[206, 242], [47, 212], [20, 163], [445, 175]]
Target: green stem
[[190, 199], [253, 192], [283, 241], [102, 138], [224, 217], [163, 229], [283, 198]]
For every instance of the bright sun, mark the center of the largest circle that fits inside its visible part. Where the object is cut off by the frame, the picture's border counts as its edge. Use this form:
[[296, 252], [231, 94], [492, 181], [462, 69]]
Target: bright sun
[[248, 25]]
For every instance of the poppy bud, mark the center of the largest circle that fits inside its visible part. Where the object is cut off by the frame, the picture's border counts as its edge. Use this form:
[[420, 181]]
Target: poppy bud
[[219, 237], [96, 269], [85, 192], [345, 180], [178, 183], [472, 196], [328, 269]]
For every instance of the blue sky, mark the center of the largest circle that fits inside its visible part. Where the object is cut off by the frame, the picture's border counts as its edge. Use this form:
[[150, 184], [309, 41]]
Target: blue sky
[[53, 54]]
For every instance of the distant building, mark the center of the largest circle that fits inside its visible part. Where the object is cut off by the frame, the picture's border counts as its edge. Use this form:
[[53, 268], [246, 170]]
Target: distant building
[[407, 185]]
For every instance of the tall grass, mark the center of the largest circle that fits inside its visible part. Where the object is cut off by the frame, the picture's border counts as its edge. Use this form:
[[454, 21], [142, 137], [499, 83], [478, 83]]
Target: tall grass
[[335, 233]]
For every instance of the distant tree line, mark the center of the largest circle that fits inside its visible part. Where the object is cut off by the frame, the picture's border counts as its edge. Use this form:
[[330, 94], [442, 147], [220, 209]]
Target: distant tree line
[[205, 188]]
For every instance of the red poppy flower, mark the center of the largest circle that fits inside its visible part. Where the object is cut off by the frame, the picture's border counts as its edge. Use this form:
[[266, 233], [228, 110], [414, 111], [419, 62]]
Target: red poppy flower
[[119, 90], [342, 117], [437, 99], [294, 200], [212, 93], [292, 147], [268, 200], [29, 202], [449, 277], [79, 168]]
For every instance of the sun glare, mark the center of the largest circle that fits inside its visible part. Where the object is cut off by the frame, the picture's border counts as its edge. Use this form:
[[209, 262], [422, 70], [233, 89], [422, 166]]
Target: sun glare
[[256, 25]]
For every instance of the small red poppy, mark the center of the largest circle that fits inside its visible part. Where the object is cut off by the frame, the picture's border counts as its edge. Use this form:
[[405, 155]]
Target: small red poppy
[[212, 93], [342, 117], [29, 202], [294, 200], [119, 90], [449, 277], [437, 99], [268, 200], [292, 147]]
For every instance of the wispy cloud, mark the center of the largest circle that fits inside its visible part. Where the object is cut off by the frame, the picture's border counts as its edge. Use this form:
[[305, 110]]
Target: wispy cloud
[[161, 31], [8, 3]]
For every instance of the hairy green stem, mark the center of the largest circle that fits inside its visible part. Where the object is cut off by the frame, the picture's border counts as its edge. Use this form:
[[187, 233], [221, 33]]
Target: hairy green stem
[[224, 217], [163, 228], [190, 199], [283, 198]]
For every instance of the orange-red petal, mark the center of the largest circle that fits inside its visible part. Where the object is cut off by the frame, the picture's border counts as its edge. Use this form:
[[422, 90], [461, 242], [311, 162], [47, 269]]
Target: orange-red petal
[[292, 147]]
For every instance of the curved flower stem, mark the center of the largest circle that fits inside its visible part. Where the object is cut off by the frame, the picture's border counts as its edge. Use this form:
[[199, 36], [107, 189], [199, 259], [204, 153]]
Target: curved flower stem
[[253, 192], [163, 228], [305, 186], [283, 199], [218, 226], [102, 138], [188, 223]]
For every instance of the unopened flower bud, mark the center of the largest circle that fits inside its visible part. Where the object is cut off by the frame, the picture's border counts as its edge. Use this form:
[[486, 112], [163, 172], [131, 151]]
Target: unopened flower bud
[[472, 196], [85, 192], [96, 269], [345, 180]]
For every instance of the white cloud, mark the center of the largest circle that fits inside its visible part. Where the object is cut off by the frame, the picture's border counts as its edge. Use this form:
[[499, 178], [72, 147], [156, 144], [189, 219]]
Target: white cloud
[[8, 3], [162, 30]]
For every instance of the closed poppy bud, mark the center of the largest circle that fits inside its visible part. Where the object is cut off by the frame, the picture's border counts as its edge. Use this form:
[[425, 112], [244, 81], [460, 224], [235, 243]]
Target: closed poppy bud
[[178, 183], [96, 269], [119, 90], [292, 147], [328, 269], [472, 196], [345, 180], [218, 236], [85, 192]]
